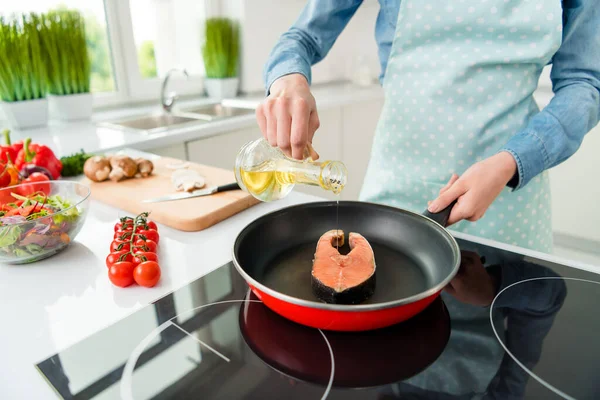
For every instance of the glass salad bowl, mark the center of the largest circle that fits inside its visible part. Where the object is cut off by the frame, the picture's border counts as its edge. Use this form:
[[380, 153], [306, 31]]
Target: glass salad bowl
[[38, 220]]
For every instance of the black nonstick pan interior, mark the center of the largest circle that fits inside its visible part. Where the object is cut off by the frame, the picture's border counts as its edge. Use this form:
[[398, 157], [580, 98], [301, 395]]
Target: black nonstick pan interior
[[412, 253]]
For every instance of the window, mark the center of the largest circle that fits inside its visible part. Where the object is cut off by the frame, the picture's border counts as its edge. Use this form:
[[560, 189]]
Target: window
[[167, 35], [158, 36], [133, 44]]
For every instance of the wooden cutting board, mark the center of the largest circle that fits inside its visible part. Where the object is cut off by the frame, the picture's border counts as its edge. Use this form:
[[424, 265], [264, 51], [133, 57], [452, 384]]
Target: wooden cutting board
[[188, 215]]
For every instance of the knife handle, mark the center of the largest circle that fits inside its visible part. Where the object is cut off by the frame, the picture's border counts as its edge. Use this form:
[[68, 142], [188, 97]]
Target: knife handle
[[229, 186]]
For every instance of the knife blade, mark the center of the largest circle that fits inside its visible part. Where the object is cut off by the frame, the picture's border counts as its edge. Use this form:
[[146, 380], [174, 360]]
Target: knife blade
[[196, 193]]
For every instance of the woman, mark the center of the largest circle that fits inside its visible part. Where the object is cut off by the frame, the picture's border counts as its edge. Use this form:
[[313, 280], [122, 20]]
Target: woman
[[459, 120]]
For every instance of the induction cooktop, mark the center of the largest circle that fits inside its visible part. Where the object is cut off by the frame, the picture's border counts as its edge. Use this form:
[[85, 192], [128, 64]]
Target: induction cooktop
[[213, 339]]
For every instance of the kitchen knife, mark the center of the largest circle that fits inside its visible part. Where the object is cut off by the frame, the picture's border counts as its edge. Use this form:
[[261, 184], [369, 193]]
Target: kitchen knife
[[195, 193]]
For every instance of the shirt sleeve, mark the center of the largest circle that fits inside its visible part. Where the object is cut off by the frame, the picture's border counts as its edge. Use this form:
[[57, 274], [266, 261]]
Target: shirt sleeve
[[309, 39], [556, 132]]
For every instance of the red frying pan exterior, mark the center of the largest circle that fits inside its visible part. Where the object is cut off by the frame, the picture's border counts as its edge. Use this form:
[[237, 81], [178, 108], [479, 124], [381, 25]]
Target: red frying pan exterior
[[274, 228], [343, 320]]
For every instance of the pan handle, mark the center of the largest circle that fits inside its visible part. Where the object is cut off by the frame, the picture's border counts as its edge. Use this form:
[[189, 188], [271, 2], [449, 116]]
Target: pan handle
[[442, 216]]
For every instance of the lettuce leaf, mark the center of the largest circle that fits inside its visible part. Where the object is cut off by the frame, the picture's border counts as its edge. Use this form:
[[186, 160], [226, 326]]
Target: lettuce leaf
[[9, 235]]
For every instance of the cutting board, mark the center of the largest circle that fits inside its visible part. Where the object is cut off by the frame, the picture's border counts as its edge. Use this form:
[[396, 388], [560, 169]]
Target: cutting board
[[188, 215]]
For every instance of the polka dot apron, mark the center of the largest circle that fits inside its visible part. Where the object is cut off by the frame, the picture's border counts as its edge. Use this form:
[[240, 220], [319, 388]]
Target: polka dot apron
[[458, 85]]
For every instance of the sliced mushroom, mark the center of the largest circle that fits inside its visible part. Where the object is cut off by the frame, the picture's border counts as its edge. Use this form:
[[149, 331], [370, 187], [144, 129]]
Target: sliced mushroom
[[187, 180], [97, 168]]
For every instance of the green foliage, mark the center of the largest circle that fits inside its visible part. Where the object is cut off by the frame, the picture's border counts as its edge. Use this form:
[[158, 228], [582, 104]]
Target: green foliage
[[22, 72], [147, 59], [43, 53], [221, 48], [68, 61]]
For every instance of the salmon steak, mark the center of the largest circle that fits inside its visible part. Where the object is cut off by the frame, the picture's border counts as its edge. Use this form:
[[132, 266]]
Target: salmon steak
[[343, 278]]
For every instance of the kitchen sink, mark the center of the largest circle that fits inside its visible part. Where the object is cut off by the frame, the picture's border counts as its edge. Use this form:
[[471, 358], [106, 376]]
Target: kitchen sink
[[152, 123], [217, 111]]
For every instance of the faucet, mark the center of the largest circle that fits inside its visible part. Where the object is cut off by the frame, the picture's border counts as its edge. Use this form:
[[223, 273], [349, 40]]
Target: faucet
[[169, 102]]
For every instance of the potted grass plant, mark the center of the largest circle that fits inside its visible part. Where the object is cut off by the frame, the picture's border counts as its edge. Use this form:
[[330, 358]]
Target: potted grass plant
[[220, 53], [23, 83], [68, 65]]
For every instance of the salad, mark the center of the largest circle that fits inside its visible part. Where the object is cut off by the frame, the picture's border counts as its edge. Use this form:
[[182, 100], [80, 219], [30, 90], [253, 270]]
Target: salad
[[33, 224]]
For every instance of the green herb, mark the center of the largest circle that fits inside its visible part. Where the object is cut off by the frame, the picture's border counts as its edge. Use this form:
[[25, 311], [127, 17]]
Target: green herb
[[68, 61], [73, 164], [221, 48], [22, 61]]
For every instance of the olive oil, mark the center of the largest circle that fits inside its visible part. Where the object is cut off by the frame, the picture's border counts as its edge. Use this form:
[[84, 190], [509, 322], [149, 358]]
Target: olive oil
[[267, 174]]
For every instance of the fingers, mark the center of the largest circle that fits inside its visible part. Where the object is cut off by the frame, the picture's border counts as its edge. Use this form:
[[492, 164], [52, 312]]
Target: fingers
[[313, 124], [261, 119], [299, 129], [271, 117], [456, 190], [284, 124], [453, 179]]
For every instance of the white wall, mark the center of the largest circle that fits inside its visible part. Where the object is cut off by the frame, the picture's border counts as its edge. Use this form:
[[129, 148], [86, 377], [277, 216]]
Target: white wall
[[265, 20]]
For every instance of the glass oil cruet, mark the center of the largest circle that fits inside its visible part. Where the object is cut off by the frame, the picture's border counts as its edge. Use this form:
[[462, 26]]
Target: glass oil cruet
[[268, 174]]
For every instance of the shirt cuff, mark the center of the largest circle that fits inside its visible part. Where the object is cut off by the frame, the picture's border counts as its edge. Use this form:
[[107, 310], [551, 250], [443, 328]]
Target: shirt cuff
[[283, 68], [530, 154]]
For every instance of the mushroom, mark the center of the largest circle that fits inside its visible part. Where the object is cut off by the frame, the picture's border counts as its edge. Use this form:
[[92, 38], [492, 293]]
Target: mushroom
[[145, 167], [122, 167], [96, 168], [187, 180]]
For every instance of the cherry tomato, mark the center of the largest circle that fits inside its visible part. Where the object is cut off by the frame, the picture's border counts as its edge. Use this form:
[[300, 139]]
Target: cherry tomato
[[128, 225], [120, 245], [118, 256], [148, 255], [149, 244], [123, 236], [150, 234], [152, 225], [37, 182], [147, 273], [121, 274]]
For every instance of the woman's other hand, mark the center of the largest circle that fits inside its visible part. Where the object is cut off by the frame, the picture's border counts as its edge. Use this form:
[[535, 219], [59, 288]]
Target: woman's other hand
[[473, 284], [476, 189], [288, 117]]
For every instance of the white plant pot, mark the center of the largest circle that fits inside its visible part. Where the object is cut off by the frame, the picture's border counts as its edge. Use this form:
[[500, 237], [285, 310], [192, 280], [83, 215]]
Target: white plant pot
[[221, 88], [26, 114], [70, 107]]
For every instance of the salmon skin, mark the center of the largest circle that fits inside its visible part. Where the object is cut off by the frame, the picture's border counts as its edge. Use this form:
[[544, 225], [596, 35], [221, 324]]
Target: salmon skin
[[343, 279]]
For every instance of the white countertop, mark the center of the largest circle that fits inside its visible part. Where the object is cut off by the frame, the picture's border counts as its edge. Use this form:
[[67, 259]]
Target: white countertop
[[68, 138], [54, 303]]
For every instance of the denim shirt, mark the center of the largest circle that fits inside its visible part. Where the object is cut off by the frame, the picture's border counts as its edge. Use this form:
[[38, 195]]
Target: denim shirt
[[550, 137]]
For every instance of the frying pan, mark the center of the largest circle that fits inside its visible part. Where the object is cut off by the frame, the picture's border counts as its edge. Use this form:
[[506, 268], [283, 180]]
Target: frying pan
[[415, 256], [392, 354]]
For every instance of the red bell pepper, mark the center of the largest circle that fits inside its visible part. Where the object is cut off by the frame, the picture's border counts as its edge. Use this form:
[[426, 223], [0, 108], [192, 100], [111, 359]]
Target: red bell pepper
[[40, 155], [8, 151]]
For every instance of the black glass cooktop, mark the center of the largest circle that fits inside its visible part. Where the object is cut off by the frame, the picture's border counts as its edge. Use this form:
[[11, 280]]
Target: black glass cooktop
[[213, 339]]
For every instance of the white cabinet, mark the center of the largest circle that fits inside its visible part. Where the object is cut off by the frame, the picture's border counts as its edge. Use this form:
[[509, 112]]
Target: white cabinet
[[359, 122], [220, 150]]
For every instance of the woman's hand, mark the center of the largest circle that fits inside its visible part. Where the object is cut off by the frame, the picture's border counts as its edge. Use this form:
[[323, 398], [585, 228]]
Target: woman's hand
[[476, 189], [288, 117]]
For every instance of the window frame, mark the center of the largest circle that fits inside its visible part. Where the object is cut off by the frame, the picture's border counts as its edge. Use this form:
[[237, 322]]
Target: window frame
[[130, 86]]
